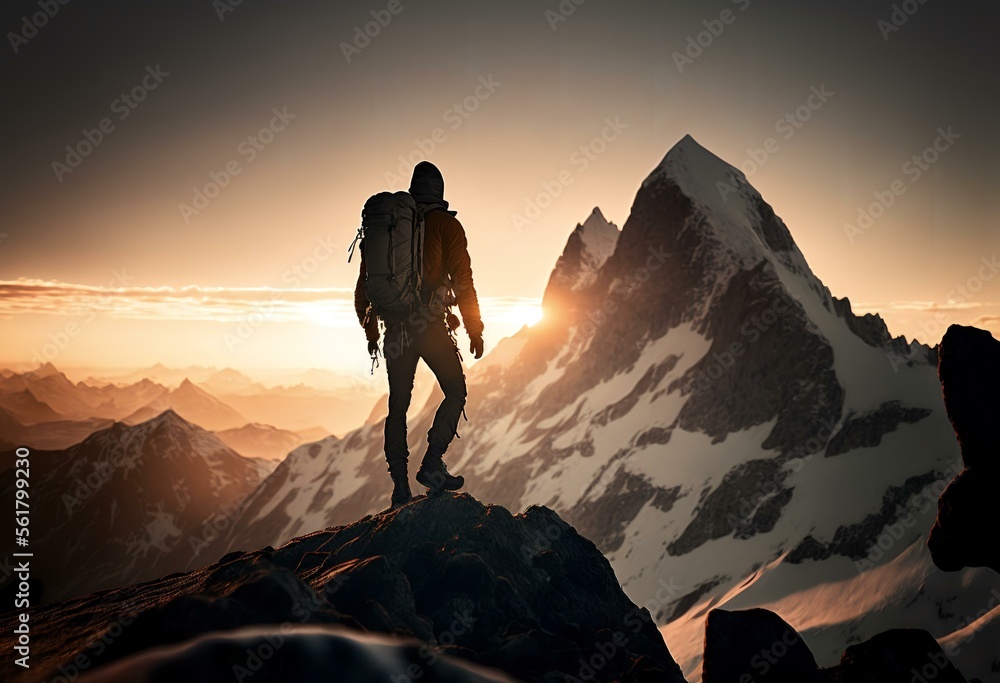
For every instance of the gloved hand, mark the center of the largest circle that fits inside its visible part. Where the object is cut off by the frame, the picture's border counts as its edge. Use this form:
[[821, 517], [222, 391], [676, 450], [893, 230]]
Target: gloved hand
[[476, 345], [373, 347]]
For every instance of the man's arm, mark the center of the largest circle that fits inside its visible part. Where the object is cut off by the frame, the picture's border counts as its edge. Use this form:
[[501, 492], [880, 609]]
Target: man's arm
[[459, 266], [361, 305]]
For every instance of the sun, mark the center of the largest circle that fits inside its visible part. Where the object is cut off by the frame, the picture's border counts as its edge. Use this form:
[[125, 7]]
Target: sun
[[525, 313]]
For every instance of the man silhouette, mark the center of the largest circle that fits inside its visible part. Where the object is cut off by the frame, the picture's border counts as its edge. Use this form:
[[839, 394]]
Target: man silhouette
[[447, 279]]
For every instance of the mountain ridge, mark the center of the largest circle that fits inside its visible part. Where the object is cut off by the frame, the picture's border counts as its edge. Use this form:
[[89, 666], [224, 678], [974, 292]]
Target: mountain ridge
[[145, 494]]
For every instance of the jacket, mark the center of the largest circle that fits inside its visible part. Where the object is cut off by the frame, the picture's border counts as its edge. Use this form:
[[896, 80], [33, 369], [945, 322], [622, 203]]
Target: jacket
[[446, 255]]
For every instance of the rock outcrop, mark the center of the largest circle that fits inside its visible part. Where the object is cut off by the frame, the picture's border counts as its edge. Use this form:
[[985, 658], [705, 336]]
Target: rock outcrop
[[967, 533], [759, 646], [524, 594]]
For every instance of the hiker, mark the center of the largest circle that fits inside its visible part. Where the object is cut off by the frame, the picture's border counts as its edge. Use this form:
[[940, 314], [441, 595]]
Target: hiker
[[421, 326]]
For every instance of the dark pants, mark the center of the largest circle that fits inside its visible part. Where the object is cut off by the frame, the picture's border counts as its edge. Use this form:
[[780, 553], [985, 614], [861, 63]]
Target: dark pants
[[402, 351]]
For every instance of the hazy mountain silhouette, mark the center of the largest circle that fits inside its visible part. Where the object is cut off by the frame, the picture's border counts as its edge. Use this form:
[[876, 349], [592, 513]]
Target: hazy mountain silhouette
[[130, 503]]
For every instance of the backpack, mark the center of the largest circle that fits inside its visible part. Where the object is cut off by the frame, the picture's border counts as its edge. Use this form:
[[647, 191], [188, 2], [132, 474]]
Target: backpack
[[392, 246]]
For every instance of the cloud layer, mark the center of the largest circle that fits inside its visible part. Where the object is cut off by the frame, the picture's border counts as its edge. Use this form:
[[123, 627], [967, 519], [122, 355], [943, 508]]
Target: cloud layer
[[326, 306]]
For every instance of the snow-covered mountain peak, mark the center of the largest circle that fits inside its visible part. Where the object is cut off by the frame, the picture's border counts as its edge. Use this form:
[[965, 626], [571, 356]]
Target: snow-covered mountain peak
[[701, 175], [597, 223], [588, 248], [735, 212], [687, 160], [599, 237]]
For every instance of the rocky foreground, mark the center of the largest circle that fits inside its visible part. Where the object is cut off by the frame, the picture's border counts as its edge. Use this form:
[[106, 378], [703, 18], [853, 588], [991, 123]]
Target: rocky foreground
[[524, 594], [442, 589]]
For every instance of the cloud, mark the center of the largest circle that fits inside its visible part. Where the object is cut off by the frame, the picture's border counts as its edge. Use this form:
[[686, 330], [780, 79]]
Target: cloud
[[986, 320], [326, 306], [924, 306], [192, 302]]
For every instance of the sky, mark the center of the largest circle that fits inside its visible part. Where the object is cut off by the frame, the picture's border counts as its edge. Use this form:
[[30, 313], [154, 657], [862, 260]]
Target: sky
[[182, 180]]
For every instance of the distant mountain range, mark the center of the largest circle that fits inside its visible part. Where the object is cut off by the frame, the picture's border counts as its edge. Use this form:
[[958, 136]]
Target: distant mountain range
[[224, 399], [263, 441], [197, 405], [131, 503]]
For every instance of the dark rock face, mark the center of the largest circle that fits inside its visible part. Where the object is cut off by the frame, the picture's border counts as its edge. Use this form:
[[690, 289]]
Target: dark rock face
[[748, 501], [755, 326], [754, 645], [969, 369], [629, 493], [524, 594], [897, 656], [966, 533], [757, 645], [866, 430], [857, 541]]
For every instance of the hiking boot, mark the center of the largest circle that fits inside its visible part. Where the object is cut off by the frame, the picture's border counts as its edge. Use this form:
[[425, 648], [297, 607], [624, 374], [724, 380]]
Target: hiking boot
[[400, 487], [433, 473]]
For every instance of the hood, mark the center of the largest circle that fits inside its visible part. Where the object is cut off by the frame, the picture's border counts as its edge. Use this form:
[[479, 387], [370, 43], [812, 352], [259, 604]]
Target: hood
[[427, 187]]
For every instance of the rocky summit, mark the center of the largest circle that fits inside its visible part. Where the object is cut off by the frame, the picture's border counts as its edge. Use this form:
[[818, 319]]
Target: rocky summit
[[524, 595]]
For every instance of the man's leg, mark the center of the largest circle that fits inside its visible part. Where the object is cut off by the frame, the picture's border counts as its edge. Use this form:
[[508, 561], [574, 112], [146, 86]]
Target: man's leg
[[439, 352], [401, 365]]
